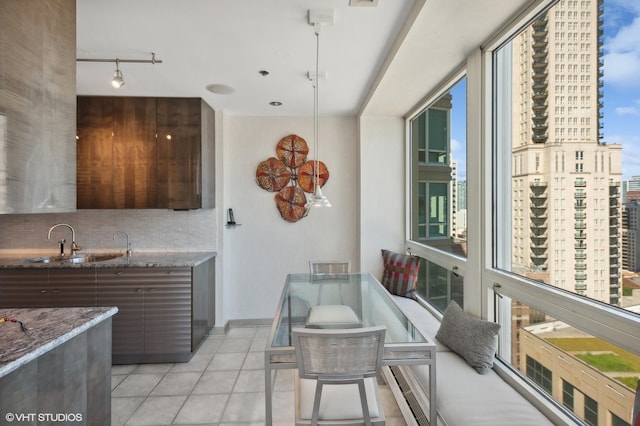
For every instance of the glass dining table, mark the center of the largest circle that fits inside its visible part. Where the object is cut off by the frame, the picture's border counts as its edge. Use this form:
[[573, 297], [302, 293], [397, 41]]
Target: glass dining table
[[344, 301]]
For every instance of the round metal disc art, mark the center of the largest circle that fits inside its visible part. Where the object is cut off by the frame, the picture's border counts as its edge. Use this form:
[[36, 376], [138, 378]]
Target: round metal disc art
[[306, 175], [292, 150], [291, 203], [291, 175], [272, 175]]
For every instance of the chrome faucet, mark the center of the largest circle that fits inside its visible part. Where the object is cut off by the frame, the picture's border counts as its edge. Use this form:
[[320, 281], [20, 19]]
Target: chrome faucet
[[126, 234], [74, 246]]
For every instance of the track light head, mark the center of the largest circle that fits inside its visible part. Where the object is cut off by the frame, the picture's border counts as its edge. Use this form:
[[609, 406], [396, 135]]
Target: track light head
[[117, 81]]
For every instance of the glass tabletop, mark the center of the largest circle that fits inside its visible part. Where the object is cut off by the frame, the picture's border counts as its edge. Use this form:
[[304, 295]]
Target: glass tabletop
[[339, 301]]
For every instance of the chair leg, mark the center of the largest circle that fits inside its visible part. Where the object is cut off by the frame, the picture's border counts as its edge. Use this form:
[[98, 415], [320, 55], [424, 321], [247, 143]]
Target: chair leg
[[363, 402], [316, 404]]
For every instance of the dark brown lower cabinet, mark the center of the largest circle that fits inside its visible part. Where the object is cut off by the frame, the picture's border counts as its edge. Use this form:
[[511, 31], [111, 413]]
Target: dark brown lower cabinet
[[164, 313], [153, 323], [47, 288]]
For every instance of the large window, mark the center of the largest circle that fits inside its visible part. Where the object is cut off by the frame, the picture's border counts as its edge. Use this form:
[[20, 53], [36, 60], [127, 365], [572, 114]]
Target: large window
[[439, 191], [549, 248], [557, 232]]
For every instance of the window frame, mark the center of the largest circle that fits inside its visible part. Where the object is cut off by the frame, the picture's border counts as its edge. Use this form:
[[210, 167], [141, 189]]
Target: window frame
[[483, 281]]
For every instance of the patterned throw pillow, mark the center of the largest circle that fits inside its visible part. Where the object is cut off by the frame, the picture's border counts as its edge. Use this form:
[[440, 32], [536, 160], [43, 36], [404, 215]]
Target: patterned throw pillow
[[400, 273]]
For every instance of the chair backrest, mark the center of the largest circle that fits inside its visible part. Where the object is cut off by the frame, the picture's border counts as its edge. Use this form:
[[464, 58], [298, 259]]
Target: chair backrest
[[329, 267], [339, 353]]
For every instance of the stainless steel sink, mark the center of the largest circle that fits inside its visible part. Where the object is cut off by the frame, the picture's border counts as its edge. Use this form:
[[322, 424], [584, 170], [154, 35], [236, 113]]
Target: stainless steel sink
[[87, 258], [44, 259], [78, 258]]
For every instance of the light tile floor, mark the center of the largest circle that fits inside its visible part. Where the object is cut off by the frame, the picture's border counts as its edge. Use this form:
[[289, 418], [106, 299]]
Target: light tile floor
[[222, 385]]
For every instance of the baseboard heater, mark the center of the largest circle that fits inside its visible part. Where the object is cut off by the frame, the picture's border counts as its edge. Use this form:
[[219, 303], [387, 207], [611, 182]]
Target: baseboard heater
[[409, 396]]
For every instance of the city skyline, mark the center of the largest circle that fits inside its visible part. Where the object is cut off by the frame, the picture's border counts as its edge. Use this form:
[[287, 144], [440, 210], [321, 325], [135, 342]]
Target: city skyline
[[621, 110]]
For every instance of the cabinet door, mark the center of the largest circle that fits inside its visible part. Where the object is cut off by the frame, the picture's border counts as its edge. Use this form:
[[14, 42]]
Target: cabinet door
[[124, 288], [134, 153], [179, 163], [203, 297], [167, 310], [72, 287], [94, 152], [24, 288]]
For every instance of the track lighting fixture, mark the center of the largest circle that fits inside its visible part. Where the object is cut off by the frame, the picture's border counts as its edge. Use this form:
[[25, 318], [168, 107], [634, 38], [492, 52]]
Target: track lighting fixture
[[118, 81]]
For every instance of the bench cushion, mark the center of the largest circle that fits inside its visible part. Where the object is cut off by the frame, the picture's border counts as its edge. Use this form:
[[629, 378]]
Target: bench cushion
[[426, 323], [466, 397]]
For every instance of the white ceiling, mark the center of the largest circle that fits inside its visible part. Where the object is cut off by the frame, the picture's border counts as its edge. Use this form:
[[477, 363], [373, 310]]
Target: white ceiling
[[228, 42]]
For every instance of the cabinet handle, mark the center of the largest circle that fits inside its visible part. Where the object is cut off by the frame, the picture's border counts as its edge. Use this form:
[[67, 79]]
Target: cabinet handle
[[151, 289], [43, 291], [56, 291], [118, 273], [138, 290]]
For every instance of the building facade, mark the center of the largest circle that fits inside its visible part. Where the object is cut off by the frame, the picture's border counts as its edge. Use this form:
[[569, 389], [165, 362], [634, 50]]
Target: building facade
[[565, 179], [630, 237]]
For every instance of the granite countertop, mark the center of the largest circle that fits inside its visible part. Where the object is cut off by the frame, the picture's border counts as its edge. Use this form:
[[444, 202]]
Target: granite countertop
[[11, 260], [46, 328]]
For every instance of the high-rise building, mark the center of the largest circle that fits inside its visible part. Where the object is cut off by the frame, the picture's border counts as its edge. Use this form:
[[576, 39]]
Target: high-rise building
[[631, 190], [566, 181], [631, 236]]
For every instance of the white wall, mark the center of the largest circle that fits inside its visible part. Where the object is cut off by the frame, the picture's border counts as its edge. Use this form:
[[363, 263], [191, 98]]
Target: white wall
[[260, 253], [382, 181]]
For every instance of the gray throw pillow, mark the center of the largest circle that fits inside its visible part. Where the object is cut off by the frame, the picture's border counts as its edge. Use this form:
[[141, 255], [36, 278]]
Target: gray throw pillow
[[473, 339]]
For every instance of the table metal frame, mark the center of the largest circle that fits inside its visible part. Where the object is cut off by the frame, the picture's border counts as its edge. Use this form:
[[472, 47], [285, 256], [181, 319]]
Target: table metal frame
[[403, 353]]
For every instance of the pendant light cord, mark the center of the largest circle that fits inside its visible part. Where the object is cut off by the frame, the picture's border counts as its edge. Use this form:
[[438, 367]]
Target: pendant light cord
[[316, 113]]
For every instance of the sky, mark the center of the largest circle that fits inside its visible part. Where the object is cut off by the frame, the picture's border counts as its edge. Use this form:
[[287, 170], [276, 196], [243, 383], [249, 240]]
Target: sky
[[622, 80], [621, 111]]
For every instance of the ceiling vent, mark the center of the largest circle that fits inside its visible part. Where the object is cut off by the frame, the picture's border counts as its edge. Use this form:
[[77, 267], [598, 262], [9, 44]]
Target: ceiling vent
[[358, 3]]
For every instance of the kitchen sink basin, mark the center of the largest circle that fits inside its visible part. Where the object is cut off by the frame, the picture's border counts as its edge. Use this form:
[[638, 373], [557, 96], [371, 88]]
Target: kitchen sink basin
[[87, 258], [78, 258], [44, 259]]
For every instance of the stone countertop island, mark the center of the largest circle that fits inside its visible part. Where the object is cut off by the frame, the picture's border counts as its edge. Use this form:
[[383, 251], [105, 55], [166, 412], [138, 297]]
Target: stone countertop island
[[59, 366]]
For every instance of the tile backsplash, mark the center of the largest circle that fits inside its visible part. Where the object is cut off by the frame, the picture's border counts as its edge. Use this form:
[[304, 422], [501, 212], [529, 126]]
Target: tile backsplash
[[149, 230]]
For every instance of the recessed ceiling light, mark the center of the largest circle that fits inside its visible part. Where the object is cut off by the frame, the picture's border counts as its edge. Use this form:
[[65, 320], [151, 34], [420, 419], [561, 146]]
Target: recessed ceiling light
[[275, 103], [220, 89]]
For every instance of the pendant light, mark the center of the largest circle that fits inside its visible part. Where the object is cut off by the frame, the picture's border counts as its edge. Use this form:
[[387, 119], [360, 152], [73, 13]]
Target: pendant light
[[318, 199]]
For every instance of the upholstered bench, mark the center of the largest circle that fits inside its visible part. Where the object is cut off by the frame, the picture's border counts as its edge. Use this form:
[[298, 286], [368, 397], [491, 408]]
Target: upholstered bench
[[464, 396]]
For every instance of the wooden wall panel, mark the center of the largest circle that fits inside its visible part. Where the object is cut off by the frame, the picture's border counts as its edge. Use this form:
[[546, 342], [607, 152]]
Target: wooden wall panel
[[38, 106]]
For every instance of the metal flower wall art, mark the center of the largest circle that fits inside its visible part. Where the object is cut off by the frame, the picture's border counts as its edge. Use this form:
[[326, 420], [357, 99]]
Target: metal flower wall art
[[291, 175]]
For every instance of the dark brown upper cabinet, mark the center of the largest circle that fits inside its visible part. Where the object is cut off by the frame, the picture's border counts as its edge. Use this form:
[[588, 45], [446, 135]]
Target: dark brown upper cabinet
[[136, 152]]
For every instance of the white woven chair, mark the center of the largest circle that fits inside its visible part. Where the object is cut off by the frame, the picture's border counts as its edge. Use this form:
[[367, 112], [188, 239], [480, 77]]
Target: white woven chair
[[322, 270], [337, 372], [329, 267]]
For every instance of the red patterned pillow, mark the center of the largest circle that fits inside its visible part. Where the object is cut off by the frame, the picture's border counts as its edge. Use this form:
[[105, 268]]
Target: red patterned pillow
[[400, 273]]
